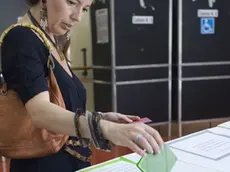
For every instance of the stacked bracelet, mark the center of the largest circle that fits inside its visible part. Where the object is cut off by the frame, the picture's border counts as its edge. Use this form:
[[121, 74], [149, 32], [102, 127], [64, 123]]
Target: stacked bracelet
[[83, 141], [97, 137]]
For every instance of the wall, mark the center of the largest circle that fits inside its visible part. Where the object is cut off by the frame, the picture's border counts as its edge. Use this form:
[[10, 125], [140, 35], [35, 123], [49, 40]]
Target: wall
[[10, 10], [81, 38]]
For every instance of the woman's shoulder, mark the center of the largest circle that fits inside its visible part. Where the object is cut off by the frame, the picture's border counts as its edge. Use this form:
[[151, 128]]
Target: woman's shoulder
[[20, 36], [19, 44]]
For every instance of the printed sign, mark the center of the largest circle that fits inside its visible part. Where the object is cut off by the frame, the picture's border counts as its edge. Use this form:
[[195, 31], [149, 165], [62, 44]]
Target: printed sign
[[207, 25], [142, 20], [207, 13]]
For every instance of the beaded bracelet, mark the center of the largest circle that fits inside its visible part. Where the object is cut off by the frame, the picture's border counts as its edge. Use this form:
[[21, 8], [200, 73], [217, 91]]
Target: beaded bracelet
[[103, 143], [97, 137], [89, 117], [83, 141]]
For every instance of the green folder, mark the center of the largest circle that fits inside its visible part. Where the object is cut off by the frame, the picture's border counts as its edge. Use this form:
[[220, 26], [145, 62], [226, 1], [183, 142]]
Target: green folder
[[162, 162]]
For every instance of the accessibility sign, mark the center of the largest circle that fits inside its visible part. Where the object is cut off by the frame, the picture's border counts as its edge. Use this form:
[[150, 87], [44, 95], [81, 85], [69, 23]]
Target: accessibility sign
[[207, 25]]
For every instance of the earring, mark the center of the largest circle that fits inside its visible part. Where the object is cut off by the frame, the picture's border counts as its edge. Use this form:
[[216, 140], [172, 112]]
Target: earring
[[43, 20], [68, 35]]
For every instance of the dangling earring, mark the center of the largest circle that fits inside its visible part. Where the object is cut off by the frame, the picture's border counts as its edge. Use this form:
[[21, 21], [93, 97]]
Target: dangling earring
[[68, 35], [43, 20]]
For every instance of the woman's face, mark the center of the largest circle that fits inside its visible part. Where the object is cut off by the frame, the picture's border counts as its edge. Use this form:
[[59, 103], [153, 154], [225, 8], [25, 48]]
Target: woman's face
[[64, 14]]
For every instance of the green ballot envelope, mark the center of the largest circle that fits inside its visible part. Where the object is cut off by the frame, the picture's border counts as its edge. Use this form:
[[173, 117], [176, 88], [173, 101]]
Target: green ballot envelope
[[162, 162]]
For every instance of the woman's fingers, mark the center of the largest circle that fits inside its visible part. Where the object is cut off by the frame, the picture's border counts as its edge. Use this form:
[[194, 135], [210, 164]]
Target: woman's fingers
[[155, 148], [155, 134], [138, 137], [134, 118], [134, 147], [125, 118], [148, 138], [143, 143], [128, 118]]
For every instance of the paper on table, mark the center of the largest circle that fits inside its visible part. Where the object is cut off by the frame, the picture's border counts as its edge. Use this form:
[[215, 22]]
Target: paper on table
[[118, 165], [133, 157], [205, 144], [225, 125], [183, 166], [221, 165], [220, 131]]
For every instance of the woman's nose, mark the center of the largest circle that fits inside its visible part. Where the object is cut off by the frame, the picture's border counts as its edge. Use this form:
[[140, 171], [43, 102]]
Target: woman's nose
[[76, 17]]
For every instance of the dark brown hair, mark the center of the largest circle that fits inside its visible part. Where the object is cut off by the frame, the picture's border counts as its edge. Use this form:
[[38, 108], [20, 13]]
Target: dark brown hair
[[64, 44], [32, 2]]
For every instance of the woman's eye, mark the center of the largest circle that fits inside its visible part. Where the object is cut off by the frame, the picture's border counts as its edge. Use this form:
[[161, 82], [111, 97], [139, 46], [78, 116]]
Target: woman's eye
[[72, 2], [85, 9]]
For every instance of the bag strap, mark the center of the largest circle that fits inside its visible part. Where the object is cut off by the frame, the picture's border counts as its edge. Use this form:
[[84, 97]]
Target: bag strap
[[50, 61]]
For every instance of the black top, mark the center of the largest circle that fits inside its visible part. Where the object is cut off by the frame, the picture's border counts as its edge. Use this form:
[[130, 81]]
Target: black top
[[24, 58]]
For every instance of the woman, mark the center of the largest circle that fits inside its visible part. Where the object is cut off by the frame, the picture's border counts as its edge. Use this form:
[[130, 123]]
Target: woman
[[23, 61]]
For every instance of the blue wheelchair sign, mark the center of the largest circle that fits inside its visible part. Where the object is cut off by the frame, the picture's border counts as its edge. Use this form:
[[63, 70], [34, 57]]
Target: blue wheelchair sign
[[207, 25]]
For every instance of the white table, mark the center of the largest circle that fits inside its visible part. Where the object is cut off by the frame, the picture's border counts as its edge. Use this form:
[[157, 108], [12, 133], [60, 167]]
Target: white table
[[204, 151], [219, 152], [180, 166]]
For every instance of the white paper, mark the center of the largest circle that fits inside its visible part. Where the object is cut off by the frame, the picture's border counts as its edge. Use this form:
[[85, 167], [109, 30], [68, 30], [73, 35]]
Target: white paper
[[119, 166], [205, 144], [133, 157], [186, 167], [220, 131], [102, 26], [221, 165], [225, 125]]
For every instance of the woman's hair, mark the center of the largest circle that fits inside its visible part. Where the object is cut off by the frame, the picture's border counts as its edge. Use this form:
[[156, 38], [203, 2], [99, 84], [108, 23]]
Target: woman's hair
[[64, 44], [32, 2]]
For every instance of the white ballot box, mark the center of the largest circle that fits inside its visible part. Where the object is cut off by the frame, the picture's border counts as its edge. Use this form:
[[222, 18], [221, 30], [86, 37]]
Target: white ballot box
[[204, 151]]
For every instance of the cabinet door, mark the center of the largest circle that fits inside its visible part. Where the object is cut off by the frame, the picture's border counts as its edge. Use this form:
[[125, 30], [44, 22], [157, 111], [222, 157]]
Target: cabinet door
[[141, 32]]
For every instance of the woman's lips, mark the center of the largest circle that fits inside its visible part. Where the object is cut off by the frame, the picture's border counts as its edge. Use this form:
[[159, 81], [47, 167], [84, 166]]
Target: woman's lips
[[67, 26]]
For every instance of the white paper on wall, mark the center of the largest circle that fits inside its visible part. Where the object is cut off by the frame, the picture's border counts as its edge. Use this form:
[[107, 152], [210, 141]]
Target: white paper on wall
[[102, 26]]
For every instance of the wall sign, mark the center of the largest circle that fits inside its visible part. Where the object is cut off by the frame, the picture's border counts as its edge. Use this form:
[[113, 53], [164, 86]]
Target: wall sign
[[207, 26]]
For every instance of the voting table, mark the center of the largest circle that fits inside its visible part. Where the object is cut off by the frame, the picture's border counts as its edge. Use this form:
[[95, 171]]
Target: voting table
[[204, 151]]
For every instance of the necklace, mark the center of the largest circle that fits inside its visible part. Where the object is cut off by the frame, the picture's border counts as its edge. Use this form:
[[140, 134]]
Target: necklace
[[34, 21]]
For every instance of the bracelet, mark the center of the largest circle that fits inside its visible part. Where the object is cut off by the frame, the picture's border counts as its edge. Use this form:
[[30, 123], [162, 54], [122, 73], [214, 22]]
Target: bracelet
[[89, 117], [95, 130], [83, 141], [104, 144]]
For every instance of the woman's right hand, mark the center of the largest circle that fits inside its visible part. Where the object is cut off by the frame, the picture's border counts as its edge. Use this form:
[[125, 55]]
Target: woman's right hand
[[138, 137]]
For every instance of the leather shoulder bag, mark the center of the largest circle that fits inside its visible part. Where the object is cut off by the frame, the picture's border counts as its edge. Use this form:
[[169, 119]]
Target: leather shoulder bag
[[19, 138]]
